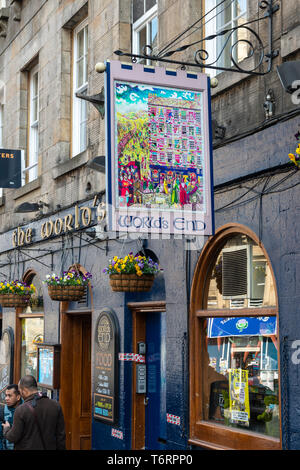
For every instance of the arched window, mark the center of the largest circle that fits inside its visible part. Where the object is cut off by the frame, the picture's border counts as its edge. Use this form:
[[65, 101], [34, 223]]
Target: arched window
[[234, 345]]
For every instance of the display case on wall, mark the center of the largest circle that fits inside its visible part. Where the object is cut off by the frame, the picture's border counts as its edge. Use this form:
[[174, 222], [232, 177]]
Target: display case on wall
[[48, 365]]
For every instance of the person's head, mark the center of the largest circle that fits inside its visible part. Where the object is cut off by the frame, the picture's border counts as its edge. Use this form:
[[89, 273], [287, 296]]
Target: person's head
[[27, 386], [12, 395]]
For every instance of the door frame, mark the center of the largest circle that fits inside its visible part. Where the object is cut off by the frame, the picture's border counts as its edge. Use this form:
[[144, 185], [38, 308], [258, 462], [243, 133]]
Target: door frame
[[139, 310], [66, 374]]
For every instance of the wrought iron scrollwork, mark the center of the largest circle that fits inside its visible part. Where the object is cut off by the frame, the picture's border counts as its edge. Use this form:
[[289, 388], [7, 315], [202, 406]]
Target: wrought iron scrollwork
[[201, 56]]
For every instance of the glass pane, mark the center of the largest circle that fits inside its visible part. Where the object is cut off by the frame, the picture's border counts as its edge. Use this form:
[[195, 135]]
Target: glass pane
[[83, 125], [36, 303], [137, 9], [230, 16], [150, 4], [83, 137], [142, 39], [80, 44], [153, 33], [240, 373], [241, 7], [80, 73], [32, 334], [35, 81], [34, 109], [241, 277]]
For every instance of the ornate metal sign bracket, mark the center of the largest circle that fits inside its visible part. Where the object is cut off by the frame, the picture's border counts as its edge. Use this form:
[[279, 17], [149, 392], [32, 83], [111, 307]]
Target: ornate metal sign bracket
[[201, 56]]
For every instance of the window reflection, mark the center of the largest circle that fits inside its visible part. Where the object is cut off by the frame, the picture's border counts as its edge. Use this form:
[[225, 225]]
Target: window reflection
[[36, 302], [241, 277], [240, 373], [240, 378], [32, 334]]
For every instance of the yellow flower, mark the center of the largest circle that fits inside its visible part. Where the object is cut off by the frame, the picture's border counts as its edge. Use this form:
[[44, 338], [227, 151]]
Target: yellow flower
[[22, 288], [292, 157], [115, 258]]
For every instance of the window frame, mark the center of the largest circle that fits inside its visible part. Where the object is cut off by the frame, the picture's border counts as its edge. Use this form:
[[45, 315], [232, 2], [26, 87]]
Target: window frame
[[144, 21], [31, 161], [204, 433], [20, 315], [213, 46], [77, 147]]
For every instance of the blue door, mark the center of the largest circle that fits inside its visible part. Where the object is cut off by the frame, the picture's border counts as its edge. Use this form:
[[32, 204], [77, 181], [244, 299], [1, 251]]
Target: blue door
[[155, 401]]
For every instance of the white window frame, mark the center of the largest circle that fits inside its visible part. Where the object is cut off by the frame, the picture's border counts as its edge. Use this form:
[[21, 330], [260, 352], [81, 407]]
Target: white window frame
[[214, 46], [31, 170], [1, 136], [138, 25], [79, 106]]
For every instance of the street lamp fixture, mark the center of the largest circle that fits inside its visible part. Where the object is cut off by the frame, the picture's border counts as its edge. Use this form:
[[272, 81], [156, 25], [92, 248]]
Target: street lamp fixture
[[98, 164], [30, 207]]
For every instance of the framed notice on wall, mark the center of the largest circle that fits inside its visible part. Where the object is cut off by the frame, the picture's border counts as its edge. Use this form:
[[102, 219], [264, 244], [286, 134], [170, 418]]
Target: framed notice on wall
[[106, 374], [48, 365], [6, 361], [159, 157]]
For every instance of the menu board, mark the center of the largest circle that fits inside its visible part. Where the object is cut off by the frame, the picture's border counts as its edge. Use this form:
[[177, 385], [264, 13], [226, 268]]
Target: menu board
[[6, 361], [106, 368]]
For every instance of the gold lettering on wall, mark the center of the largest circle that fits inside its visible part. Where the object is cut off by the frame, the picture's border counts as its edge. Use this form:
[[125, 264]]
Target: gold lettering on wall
[[58, 226], [86, 216], [82, 217], [68, 221]]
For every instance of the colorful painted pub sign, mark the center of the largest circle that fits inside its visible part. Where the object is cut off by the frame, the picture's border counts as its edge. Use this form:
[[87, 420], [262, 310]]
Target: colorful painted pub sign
[[159, 157]]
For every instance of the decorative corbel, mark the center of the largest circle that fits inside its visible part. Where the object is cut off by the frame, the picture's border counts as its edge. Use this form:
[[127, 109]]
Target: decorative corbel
[[16, 8], [4, 15]]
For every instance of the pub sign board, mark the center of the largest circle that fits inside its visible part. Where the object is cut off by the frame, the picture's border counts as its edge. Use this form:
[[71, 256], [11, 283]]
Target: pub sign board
[[106, 373], [6, 361], [10, 168], [158, 150]]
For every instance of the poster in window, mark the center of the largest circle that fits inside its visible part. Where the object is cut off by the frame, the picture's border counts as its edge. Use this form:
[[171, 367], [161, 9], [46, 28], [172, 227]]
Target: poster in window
[[158, 150], [239, 397]]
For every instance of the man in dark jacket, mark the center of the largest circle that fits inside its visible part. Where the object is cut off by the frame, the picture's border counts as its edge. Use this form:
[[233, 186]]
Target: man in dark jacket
[[38, 423]]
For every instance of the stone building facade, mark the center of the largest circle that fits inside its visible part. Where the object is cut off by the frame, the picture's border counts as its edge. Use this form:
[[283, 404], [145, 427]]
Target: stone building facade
[[48, 51]]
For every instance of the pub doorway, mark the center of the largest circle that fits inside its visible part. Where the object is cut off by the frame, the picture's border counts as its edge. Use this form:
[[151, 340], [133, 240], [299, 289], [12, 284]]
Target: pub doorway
[[149, 378], [75, 392]]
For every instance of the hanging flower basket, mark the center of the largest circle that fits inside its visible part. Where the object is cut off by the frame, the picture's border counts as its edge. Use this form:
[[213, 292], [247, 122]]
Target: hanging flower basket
[[132, 273], [131, 282], [66, 293], [15, 294], [68, 287]]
